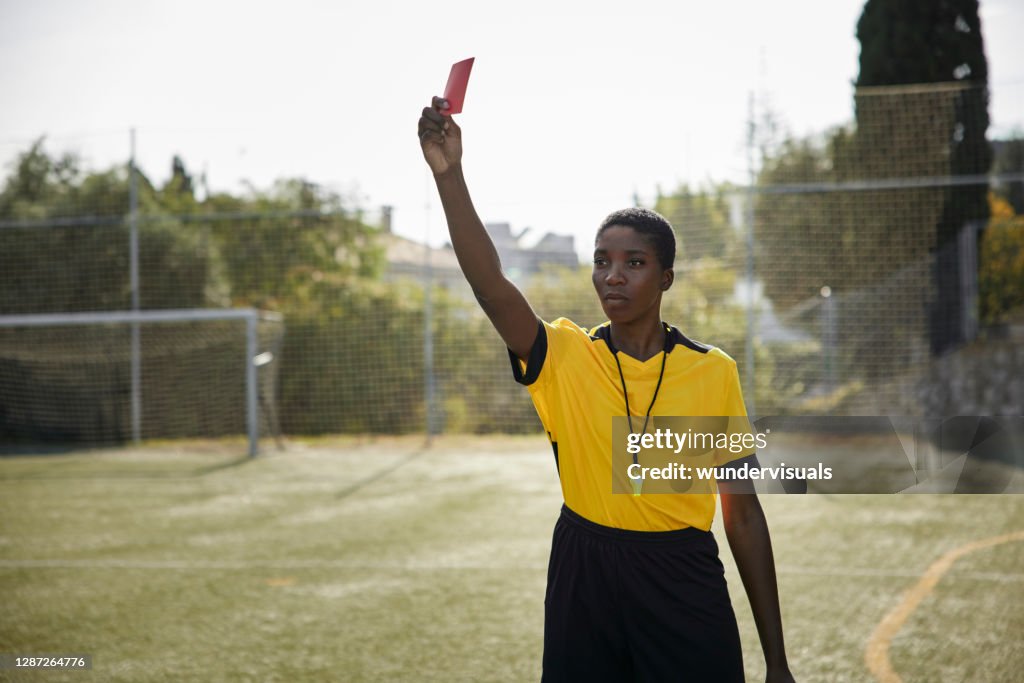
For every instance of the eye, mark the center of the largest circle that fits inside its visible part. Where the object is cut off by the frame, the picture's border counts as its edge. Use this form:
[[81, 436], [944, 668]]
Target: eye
[[599, 261], [636, 261]]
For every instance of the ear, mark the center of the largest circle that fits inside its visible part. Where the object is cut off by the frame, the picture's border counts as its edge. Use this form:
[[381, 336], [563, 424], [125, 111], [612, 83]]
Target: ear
[[667, 278]]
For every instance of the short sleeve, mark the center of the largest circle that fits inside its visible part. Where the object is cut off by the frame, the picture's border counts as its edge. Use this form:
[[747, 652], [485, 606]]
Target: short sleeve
[[529, 373], [555, 342]]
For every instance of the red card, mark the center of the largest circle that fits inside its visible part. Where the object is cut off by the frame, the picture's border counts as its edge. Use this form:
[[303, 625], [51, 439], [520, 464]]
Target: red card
[[455, 91]]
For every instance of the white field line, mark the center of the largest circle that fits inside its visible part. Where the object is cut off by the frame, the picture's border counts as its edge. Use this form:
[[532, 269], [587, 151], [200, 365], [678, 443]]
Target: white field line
[[237, 565]]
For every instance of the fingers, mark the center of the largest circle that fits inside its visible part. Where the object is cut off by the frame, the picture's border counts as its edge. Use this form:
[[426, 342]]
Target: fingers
[[434, 115], [429, 134], [433, 125], [431, 129]]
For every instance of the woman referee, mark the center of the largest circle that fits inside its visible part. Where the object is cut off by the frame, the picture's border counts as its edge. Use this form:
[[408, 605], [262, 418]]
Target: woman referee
[[635, 591]]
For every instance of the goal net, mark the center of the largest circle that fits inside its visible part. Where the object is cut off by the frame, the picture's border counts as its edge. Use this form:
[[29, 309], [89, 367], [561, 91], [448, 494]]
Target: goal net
[[108, 377]]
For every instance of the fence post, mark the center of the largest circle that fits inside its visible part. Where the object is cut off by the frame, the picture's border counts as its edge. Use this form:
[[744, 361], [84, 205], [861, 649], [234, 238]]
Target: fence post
[[251, 389], [751, 393], [133, 248]]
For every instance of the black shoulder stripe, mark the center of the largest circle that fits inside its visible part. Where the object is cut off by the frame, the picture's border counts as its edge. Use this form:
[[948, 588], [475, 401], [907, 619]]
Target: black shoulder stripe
[[674, 337], [535, 362], [677, 337], [603, 333]]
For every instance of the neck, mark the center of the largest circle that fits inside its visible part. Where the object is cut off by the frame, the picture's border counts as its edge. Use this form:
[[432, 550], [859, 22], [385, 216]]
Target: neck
[[641, 339]]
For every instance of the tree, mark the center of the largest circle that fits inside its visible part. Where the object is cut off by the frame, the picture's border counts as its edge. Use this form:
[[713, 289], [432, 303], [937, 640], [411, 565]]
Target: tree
[[920, 42], [296, 248], [938, 131], [73, 253], [803, 240], [1001, 280], [701, 222], [180, 182], [289, 236]]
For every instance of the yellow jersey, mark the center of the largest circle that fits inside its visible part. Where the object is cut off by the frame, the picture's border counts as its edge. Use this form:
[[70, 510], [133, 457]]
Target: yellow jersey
[[574, 381]]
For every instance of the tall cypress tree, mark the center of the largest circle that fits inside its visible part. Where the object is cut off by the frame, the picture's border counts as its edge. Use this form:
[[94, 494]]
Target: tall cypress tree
[[937, 131], [920, 41]]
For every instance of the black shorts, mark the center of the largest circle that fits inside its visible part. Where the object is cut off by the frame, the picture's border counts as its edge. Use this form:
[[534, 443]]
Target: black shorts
[[637, 606]]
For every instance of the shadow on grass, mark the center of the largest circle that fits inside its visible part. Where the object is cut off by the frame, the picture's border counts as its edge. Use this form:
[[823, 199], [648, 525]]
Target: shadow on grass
[[137, 470], [376, 476]]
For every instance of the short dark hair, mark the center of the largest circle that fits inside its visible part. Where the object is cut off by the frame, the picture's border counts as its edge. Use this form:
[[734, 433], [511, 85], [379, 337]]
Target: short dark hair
[[651, 225]]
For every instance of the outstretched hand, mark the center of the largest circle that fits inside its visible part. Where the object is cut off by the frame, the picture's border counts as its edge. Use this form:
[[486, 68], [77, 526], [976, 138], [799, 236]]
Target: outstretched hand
[[440, 138]]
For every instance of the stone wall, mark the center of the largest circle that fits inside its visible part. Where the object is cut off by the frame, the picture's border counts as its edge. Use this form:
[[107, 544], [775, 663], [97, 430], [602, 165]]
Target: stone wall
[[984, 378]]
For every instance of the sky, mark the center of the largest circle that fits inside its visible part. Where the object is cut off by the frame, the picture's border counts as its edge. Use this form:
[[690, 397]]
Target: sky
[[573, 108]]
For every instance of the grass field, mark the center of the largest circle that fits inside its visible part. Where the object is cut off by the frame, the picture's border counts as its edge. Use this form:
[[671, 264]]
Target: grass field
[[377, 560]]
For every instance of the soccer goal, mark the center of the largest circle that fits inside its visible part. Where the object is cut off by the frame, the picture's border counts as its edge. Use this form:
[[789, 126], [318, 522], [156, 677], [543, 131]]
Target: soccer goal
[[113, 376]]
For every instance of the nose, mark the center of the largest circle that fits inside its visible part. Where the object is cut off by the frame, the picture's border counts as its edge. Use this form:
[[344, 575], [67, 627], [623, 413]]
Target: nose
[[615, 276]]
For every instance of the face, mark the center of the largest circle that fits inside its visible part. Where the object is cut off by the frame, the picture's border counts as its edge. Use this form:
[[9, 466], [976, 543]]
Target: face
[[627, 276]]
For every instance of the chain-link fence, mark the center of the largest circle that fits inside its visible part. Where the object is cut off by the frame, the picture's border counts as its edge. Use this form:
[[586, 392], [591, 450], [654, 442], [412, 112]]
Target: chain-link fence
[[838, 282]]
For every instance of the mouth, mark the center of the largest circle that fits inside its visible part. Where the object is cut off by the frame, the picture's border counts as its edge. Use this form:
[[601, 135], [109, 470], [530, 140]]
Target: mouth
[[614, 296]]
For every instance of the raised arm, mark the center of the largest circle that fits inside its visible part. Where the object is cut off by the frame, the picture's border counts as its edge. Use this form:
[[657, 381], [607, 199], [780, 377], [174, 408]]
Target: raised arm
[[751, 546], [504, 304]]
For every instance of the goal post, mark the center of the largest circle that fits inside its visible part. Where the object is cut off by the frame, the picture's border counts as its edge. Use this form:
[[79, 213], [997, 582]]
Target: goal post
[[93, 357]]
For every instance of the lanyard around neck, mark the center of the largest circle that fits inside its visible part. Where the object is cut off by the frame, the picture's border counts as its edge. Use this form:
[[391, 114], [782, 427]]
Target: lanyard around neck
[[625, 395]]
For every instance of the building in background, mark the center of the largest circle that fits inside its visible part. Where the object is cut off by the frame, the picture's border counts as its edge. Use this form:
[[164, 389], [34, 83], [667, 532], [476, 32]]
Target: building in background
[[406, 258], [521, 262]]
